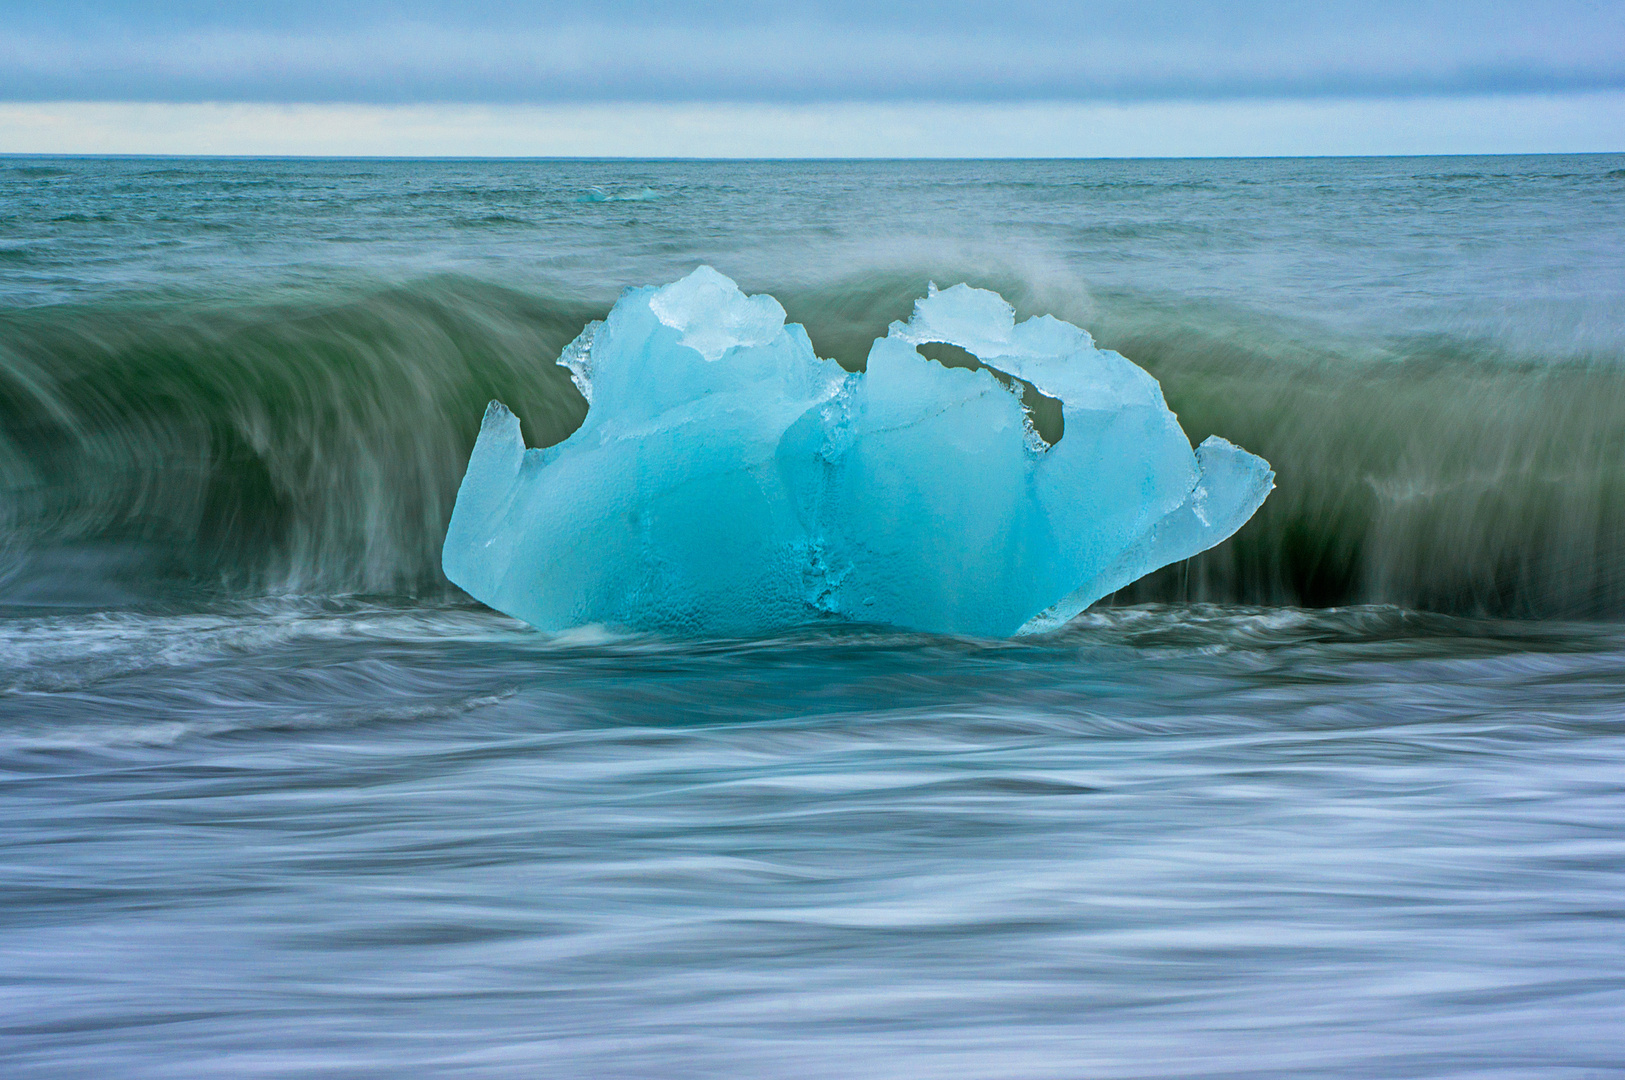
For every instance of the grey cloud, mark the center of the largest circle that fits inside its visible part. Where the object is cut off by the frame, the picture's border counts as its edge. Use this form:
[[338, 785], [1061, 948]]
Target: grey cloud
[[839, 50]]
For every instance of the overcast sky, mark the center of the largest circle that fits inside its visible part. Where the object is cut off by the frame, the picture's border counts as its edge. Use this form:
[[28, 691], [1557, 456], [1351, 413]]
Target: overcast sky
[[1564, 59], [536, 51]]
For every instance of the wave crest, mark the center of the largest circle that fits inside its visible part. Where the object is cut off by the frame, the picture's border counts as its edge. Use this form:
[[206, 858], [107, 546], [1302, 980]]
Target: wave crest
[[300, 446]]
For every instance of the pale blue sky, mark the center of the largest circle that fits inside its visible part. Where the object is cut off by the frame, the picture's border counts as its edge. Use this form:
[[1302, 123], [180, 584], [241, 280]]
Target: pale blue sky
[[821, 78]]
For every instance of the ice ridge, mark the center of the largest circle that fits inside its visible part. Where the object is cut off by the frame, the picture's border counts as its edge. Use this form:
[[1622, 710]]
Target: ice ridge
[[727, 480]]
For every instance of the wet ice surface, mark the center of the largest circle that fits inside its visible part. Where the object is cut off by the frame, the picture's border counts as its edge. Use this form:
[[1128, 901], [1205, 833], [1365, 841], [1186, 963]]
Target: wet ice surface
[[726, 480], [378, 841]]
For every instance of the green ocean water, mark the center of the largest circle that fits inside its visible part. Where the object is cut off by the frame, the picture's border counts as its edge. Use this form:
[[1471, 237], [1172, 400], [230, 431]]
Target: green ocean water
[[1339, 798]]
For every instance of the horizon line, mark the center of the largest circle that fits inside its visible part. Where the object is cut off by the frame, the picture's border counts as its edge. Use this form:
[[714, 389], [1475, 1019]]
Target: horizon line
[[831, 160]]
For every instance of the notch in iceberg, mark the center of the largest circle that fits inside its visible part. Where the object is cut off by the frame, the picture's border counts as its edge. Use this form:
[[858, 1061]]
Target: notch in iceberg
[[727, 480]]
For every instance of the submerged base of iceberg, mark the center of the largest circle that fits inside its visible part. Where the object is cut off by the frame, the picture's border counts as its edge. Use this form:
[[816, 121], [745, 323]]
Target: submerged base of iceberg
[[727, 480]]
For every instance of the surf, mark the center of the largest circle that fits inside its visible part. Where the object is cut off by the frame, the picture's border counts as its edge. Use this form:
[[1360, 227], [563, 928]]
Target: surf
[[291, 444]]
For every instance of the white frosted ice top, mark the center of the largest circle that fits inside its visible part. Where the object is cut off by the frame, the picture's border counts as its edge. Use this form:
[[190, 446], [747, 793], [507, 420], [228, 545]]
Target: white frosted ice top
[[713, 316]]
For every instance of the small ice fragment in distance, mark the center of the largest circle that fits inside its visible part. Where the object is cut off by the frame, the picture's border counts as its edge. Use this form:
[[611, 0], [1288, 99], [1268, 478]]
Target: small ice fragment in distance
[[599, 195], [728, 481]]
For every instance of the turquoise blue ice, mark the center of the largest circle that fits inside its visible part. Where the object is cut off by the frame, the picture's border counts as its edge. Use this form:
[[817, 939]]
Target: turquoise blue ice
[[727, 480]]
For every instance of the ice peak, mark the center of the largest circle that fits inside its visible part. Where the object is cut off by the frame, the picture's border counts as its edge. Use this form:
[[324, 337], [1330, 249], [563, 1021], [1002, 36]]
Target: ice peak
[[713, 315]]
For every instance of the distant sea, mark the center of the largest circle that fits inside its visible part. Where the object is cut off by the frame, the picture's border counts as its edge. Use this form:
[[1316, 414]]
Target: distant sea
[[1342, 797]]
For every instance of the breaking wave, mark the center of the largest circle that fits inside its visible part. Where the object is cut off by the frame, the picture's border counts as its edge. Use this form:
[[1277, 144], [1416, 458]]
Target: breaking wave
[[314, 445]]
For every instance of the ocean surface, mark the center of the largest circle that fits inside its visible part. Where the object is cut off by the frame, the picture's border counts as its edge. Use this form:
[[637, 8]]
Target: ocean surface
[[1342, 797]]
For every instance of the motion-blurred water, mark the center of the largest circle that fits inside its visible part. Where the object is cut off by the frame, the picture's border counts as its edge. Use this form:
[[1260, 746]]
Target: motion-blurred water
[[276, 801]]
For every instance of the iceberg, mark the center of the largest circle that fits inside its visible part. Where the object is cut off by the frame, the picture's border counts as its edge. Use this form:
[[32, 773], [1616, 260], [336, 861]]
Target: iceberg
[[728, 481]]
